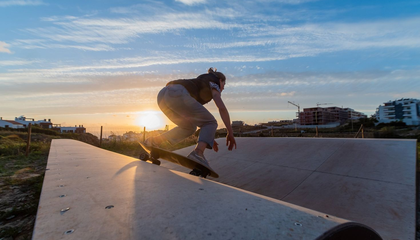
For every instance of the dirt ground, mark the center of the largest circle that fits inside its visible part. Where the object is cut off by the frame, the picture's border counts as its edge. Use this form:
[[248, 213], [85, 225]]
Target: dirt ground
[[19, 197]]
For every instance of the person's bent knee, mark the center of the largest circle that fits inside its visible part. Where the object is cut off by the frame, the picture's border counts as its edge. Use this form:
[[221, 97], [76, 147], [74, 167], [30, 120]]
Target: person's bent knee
[[214, 124]]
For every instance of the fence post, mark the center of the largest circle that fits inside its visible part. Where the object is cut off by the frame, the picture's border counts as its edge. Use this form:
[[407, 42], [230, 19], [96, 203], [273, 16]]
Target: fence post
[[29, 139], [317, 135], [144, 134], [100, 139], [363, 134], [360, 129]]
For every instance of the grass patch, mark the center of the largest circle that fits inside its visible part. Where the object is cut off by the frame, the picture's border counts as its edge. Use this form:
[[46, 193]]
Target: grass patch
[[21, 177], [11, 165], [10, 232]]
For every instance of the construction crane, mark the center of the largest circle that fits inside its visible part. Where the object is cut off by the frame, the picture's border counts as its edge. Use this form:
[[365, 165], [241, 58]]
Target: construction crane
[[318, 104], [296, 105]]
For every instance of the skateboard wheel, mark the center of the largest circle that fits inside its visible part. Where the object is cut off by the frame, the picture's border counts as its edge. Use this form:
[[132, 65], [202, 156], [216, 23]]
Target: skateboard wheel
[[204, 174], [195, 173], [144, 156], [156, 162]]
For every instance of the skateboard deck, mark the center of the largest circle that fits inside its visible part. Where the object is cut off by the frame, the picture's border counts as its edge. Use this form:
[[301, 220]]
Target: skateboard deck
[[153, 154]]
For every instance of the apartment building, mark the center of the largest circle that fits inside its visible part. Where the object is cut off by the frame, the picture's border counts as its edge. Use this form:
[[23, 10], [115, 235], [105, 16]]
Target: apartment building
[[75, 129], [323, 116], [42, 123], [404, 109], [10, 124], [238, 123], [23, 122]]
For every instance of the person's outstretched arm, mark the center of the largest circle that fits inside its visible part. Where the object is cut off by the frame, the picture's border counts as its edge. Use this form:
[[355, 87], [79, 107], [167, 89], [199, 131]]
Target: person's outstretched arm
[[224, 114]]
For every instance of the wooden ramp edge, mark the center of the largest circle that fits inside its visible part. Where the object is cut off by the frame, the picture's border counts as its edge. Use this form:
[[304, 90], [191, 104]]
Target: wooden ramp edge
[[91, 193]]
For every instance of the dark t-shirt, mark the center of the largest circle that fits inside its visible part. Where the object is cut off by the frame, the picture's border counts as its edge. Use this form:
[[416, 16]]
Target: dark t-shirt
[[200, 87]]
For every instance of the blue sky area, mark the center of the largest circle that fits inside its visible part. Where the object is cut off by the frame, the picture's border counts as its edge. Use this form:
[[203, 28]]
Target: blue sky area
[[103, 62]]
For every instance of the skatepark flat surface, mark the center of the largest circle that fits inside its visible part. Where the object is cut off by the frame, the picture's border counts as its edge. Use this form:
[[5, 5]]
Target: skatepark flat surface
[[371, 181], [293, 188], [91, 193]]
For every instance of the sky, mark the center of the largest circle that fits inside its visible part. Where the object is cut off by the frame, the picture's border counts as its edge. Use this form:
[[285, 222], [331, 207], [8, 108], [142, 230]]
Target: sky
[[102, 62]]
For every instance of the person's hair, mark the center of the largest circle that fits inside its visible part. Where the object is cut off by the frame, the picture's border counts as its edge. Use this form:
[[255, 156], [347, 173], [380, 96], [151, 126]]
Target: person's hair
[[219, 75]]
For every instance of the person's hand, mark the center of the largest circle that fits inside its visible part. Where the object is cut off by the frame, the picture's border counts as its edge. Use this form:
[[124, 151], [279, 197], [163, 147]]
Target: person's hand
[[230, 142], [215, 146]]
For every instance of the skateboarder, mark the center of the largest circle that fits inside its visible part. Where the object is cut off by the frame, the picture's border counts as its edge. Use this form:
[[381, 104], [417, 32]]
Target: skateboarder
[[182, 102]]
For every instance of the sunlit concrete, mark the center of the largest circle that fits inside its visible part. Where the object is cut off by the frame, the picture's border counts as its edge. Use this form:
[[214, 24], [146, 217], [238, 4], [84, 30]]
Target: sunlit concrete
[[90, 193], [371, 181]]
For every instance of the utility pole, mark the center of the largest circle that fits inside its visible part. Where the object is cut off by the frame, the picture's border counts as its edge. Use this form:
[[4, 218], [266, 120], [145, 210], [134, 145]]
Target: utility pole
[[100, 138], [28, 143]]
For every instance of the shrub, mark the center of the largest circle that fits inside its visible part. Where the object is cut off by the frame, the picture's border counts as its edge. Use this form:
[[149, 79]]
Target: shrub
[[11, 146]]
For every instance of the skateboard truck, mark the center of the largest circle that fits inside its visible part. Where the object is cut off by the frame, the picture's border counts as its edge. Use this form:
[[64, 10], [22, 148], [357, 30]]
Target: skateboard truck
[[198, 172], [153, 158]]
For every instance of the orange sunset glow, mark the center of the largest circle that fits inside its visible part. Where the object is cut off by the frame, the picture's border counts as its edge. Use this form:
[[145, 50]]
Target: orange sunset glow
[[152, 120]]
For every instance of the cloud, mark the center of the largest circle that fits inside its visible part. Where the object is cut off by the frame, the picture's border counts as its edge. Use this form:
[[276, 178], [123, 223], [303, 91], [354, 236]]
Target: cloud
[[16, 62], [291, 2], [410, 94], [292, 41], [191, 2], [4, 47], [123, 30], [239, 33], [268, 92], [9, 3], [287, 94], [256, 91]]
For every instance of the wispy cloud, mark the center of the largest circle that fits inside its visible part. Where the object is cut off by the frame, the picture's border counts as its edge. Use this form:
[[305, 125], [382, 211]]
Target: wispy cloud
[[264, 40], [45, 45], [4, 47], [120, 31], [191, 2], [8, 3], [268, 85], [16, 62], [293, 2], [95, 91], [313, 39]]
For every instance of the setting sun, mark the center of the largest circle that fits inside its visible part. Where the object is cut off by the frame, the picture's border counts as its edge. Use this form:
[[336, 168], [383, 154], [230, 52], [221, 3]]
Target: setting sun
[[150, 119]]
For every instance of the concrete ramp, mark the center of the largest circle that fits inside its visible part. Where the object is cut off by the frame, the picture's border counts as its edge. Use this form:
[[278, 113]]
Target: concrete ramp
[[90, 193], [371, 181]]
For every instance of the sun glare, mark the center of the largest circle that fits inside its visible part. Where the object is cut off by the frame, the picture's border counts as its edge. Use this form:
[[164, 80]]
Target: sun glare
[[151, 120]]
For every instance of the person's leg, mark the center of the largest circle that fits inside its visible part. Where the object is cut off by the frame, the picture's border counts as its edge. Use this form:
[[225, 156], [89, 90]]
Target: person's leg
[[200, 147], [183, 110], [199, 116], [170, 101], [187, 113]]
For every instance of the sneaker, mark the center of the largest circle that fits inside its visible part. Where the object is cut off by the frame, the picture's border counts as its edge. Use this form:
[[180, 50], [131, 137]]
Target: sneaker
[[194, 156]]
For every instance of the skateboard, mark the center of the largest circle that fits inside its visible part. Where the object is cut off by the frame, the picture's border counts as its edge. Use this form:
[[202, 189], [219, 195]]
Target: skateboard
[[153, 154]]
